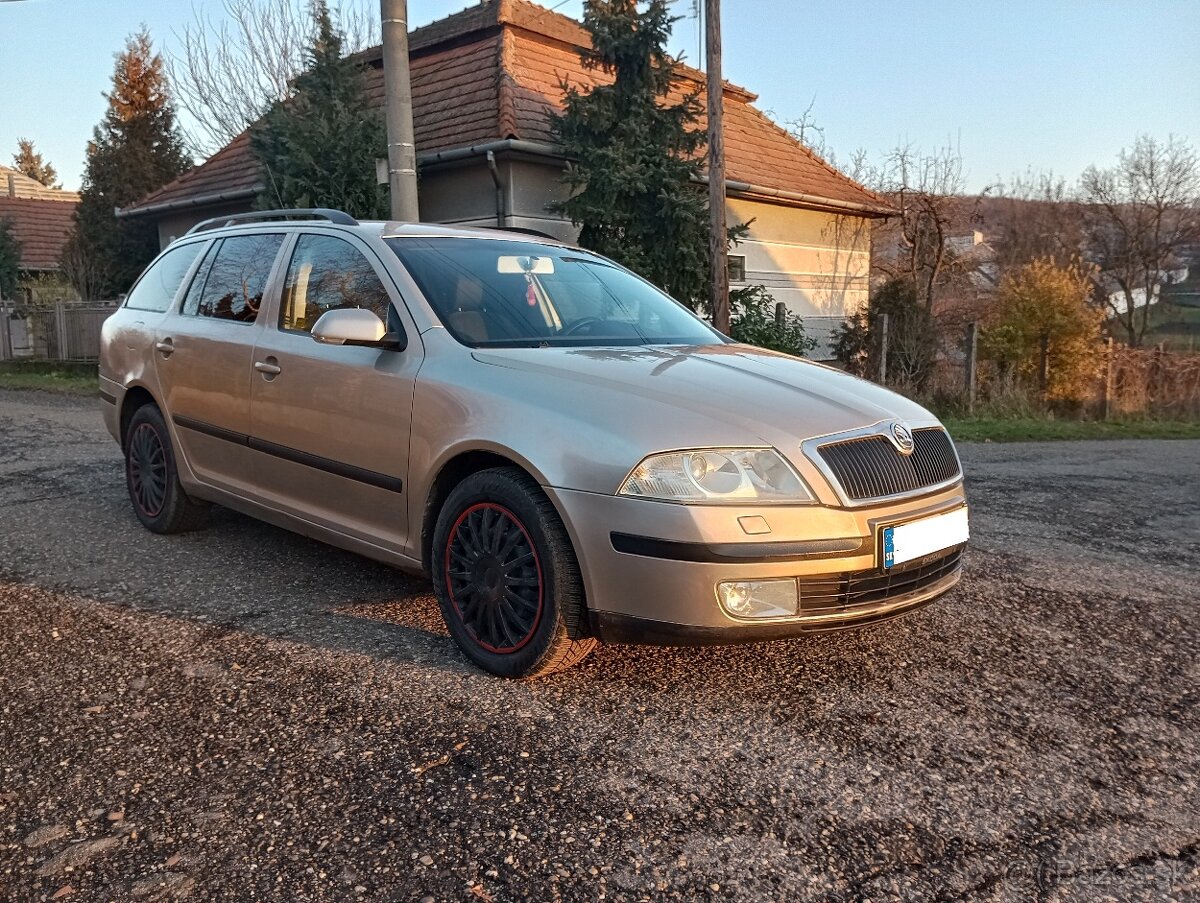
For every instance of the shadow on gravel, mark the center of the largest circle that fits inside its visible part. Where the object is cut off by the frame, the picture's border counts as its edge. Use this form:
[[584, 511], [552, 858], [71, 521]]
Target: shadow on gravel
[[240, 575]]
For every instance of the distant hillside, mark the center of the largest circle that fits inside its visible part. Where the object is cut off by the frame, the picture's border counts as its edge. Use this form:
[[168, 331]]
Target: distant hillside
[[1174, 326]]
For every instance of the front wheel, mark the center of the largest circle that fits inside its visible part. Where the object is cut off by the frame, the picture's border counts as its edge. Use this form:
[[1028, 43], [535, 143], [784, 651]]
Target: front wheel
[[506, 577], [159, 501]]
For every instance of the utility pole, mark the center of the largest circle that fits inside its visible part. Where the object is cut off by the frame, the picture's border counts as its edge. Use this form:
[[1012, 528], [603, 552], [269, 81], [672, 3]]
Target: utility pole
[[402, 150], [718, 240]]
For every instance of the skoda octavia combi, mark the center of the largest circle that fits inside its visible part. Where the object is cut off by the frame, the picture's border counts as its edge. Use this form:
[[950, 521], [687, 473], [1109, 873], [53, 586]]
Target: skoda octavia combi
[[568, 453]]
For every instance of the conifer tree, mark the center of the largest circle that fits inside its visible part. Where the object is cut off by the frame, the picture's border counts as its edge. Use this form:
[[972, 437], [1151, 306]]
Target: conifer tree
[[636, 156], [318, 147], [135, 149], [10, 259], [28, 161]]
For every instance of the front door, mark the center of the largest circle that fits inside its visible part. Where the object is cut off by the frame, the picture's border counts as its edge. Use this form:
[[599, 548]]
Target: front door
[[204, 358], [329, 424]]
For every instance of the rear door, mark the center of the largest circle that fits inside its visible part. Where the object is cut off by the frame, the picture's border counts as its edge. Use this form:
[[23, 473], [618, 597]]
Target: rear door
[[204, 357], [129, 335], [330, 423]]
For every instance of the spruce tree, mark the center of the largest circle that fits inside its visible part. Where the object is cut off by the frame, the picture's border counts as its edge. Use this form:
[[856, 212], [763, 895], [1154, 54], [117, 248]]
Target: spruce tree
[[318, 147], [636, 156], [135, 149], [28, 161], [10, 259]]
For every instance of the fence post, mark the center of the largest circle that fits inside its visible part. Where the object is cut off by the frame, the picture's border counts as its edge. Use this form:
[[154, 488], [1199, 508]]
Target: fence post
[[780, 315], [972, 346], [6, 352], [60, 327], [883, 349], [1044, 366], [1106, 397]]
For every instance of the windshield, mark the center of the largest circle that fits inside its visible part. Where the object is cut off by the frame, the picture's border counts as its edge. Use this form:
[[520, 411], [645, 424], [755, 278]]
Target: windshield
[[512, 293]]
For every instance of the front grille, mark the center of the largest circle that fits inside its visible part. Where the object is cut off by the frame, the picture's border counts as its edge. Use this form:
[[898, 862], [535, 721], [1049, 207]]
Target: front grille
[[842, 594], [872, 467]]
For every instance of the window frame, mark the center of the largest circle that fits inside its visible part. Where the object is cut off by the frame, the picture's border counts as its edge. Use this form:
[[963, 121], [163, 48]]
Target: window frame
[[740, 267], [286, 268], [188, 275], [209, 258]]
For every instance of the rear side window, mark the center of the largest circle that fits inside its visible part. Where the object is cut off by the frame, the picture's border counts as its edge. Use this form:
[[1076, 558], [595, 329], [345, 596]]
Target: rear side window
[[235, 280], [327, 273], [156, 289]]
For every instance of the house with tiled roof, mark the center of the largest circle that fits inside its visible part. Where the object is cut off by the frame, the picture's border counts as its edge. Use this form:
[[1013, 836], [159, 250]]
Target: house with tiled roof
[[485, 84], [41, 219]]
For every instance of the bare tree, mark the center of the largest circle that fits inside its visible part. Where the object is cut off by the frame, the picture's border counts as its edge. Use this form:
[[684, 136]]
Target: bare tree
[[87, 274], [1033, 217], [807, 130], [1139, 215], [926, 190], [227, 71]]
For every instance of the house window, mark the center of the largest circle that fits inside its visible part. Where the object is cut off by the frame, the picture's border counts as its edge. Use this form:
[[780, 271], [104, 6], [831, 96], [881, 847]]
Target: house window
[[737, 268]]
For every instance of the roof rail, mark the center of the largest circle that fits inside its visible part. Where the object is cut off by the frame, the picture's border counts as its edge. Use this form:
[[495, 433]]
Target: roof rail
[[523, 231], [267, 216]]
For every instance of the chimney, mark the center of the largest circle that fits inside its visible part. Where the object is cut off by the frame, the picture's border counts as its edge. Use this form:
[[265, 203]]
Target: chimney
[[12, 186]]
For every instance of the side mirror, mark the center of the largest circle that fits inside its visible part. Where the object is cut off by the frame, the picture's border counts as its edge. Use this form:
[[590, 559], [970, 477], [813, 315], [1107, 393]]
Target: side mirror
[[354, 326]]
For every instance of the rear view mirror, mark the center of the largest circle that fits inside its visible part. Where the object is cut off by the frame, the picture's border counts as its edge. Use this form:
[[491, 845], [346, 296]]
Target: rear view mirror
[[352, 326], [539, 266]]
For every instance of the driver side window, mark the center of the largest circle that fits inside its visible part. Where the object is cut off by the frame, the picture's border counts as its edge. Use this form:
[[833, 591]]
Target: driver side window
[[327, 273]]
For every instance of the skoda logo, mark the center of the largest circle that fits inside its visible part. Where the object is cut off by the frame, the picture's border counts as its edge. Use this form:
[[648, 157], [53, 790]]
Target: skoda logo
[[903, 437]]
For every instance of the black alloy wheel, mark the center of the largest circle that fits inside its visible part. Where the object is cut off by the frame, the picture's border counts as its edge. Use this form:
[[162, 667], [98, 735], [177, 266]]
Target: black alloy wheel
[[507, 578], [494, 577], [158, 498], [147, 464]]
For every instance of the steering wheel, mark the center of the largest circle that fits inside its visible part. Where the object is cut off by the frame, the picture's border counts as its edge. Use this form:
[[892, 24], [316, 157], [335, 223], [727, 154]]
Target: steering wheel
[[580, 324]]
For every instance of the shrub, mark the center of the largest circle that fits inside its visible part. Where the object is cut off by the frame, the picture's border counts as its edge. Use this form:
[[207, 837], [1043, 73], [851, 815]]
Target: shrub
[[911, 337], [1046, 305], [753, 321]]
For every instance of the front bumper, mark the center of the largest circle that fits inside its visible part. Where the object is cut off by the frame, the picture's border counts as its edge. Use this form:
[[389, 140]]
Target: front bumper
[[651, 569]]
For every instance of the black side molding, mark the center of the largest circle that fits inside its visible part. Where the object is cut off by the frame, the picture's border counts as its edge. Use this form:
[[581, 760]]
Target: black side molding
[[208, 429], [736, 552], [328, 465], [105, 396], [337, 468]]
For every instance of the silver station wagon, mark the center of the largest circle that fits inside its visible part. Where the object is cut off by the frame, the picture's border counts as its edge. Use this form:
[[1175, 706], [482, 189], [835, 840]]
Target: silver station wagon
[[568, 453]]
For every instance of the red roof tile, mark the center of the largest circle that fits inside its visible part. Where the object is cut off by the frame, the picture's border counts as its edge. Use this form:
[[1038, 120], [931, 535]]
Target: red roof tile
[[41, 226], [495, 71]]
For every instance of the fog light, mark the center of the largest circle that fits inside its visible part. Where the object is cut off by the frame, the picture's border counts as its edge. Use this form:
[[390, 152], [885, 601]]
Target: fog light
[[759, 598]]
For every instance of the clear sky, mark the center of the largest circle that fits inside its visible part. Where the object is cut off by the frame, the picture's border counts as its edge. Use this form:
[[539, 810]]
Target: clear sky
[[1014, 84]]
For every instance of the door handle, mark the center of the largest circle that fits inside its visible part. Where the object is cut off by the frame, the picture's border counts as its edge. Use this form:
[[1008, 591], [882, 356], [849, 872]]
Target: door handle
[[268, 367], [166, 346]]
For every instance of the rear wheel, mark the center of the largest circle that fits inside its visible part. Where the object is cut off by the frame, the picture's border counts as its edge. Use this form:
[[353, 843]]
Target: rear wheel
[[506, 577], [159, 500]]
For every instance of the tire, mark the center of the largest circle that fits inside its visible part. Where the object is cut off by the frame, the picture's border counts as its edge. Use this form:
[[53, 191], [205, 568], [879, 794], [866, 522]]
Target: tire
[[506, 577], [159, 500]]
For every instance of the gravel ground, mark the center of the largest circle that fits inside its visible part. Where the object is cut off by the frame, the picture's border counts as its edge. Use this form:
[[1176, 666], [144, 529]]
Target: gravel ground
[[243, 714]]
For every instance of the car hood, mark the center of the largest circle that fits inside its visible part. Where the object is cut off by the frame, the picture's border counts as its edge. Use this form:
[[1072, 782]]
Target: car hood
[[780, 400]]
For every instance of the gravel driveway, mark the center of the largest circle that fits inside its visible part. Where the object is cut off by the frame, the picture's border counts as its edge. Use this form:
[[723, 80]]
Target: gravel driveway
[[244, 714]]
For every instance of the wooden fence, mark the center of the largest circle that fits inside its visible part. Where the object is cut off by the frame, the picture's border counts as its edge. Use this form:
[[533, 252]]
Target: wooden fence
[[58, 332]]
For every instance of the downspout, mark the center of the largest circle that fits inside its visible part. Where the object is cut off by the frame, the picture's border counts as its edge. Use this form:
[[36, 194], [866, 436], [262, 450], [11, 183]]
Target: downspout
[[501, 218]]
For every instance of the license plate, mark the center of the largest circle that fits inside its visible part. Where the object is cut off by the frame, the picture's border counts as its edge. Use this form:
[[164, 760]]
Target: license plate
[[918, 538]]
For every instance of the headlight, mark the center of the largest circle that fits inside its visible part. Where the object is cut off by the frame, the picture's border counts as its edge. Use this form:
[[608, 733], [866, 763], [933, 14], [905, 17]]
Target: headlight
[[718, 475]]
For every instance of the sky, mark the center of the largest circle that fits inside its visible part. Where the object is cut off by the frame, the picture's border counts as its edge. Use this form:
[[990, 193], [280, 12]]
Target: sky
[[1013, 85]]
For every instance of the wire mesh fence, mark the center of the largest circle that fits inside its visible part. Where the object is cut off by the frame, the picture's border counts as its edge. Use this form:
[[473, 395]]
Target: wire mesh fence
[[1124, 382], [824, 331]]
